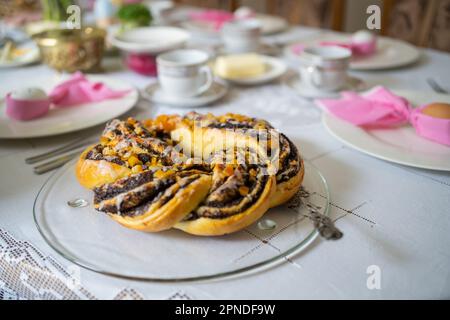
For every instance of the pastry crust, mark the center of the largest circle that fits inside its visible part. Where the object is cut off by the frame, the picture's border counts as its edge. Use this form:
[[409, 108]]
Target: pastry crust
[[166, 216], [286, 190], [221, 226], [94, 173]]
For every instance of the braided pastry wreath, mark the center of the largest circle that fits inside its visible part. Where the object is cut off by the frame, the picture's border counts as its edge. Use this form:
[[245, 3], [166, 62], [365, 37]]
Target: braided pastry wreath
[[203, 174]]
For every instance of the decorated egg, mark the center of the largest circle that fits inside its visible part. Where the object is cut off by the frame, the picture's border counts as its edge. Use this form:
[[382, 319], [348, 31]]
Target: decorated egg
[[27, 103], [363, 36], [437, 110]]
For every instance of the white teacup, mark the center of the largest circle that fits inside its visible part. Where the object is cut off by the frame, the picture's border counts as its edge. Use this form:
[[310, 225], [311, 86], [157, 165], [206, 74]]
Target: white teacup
[[241, 36], [325, 67], [184, 72]]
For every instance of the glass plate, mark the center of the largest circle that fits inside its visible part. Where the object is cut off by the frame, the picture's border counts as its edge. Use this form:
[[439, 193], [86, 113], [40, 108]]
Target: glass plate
[[94, 241]]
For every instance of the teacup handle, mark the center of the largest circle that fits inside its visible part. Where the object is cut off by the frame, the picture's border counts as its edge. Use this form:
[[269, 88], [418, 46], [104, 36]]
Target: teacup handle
[[206, 70], [313, 71]]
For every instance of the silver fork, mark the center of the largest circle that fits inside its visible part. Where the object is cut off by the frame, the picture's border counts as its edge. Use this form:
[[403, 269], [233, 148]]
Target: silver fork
[[77, 145], [60, 150], [435, 86], [56, 163]]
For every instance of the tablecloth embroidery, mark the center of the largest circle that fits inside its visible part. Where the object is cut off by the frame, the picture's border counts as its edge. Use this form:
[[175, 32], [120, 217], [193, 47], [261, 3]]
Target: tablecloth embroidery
[[26, 273]]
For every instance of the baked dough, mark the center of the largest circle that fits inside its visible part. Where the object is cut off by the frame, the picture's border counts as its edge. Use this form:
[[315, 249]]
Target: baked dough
[[202, 174]]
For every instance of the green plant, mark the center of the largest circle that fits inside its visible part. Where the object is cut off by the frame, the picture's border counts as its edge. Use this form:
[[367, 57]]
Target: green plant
[[134, 15], [55, 10]]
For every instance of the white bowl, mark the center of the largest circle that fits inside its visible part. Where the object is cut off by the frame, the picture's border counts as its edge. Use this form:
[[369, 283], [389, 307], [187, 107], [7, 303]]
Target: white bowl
[[150, 39]]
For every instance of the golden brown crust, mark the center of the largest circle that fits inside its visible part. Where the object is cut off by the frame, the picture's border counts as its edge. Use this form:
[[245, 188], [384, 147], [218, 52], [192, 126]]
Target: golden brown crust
[[166, 216], [217, 227], [94, 173], [286, 190]]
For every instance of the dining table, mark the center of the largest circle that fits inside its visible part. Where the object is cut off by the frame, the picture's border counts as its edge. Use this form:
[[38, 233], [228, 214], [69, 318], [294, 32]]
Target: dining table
[[395, 219]]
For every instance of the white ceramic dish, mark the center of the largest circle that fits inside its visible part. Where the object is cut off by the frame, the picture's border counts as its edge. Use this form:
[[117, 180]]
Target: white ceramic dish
[[275, 68], [151, 40], [64, 120], [390, 53], [272, 24], [156, 94], [31, 56], [264, 49], [294, 82], [94, 241], [401, 145]]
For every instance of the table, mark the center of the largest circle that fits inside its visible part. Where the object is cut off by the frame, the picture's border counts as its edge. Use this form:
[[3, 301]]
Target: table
[[395, 219]]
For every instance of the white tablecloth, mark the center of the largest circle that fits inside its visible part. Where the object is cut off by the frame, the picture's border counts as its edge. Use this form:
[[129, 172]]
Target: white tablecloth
[[393, 217]]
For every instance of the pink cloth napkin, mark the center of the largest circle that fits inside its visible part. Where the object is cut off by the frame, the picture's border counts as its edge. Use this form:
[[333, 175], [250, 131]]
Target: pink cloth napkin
[[79, 90], [377, 108], [217, 17], [380, 108]]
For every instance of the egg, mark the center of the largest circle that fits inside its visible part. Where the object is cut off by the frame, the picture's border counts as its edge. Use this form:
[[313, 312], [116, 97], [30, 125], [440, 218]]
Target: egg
[[363, 36], [32, 94], [27, 104], [437, 110]]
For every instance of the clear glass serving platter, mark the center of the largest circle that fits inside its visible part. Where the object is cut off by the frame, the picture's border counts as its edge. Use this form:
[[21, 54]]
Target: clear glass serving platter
[[94, 241]]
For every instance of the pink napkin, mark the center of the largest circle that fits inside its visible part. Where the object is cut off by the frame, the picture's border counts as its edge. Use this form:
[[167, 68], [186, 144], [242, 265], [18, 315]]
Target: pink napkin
[[216, 17], [377, 108], [79, 90], [380, 108]]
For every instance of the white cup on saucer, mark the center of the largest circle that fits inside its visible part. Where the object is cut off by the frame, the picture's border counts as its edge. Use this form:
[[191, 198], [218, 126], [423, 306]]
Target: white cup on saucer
[[241, 36], [184, 72], [324, 68]]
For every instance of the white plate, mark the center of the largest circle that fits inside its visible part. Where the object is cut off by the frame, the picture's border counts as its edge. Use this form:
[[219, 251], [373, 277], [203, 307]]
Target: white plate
[[294, 82], [92, 240], [30, 57], [269, 25], [401, 145], [390, 53], [275, 68], [149, 39], [63, 120], [264, 49], [155, 94]]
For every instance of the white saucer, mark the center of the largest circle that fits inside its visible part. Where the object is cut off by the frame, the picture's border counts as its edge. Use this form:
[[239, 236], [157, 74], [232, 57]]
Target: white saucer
[[150, 40], [391, 53], [264, 48], [294, 82], [155, 94], [400, 145], [275, 68]]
